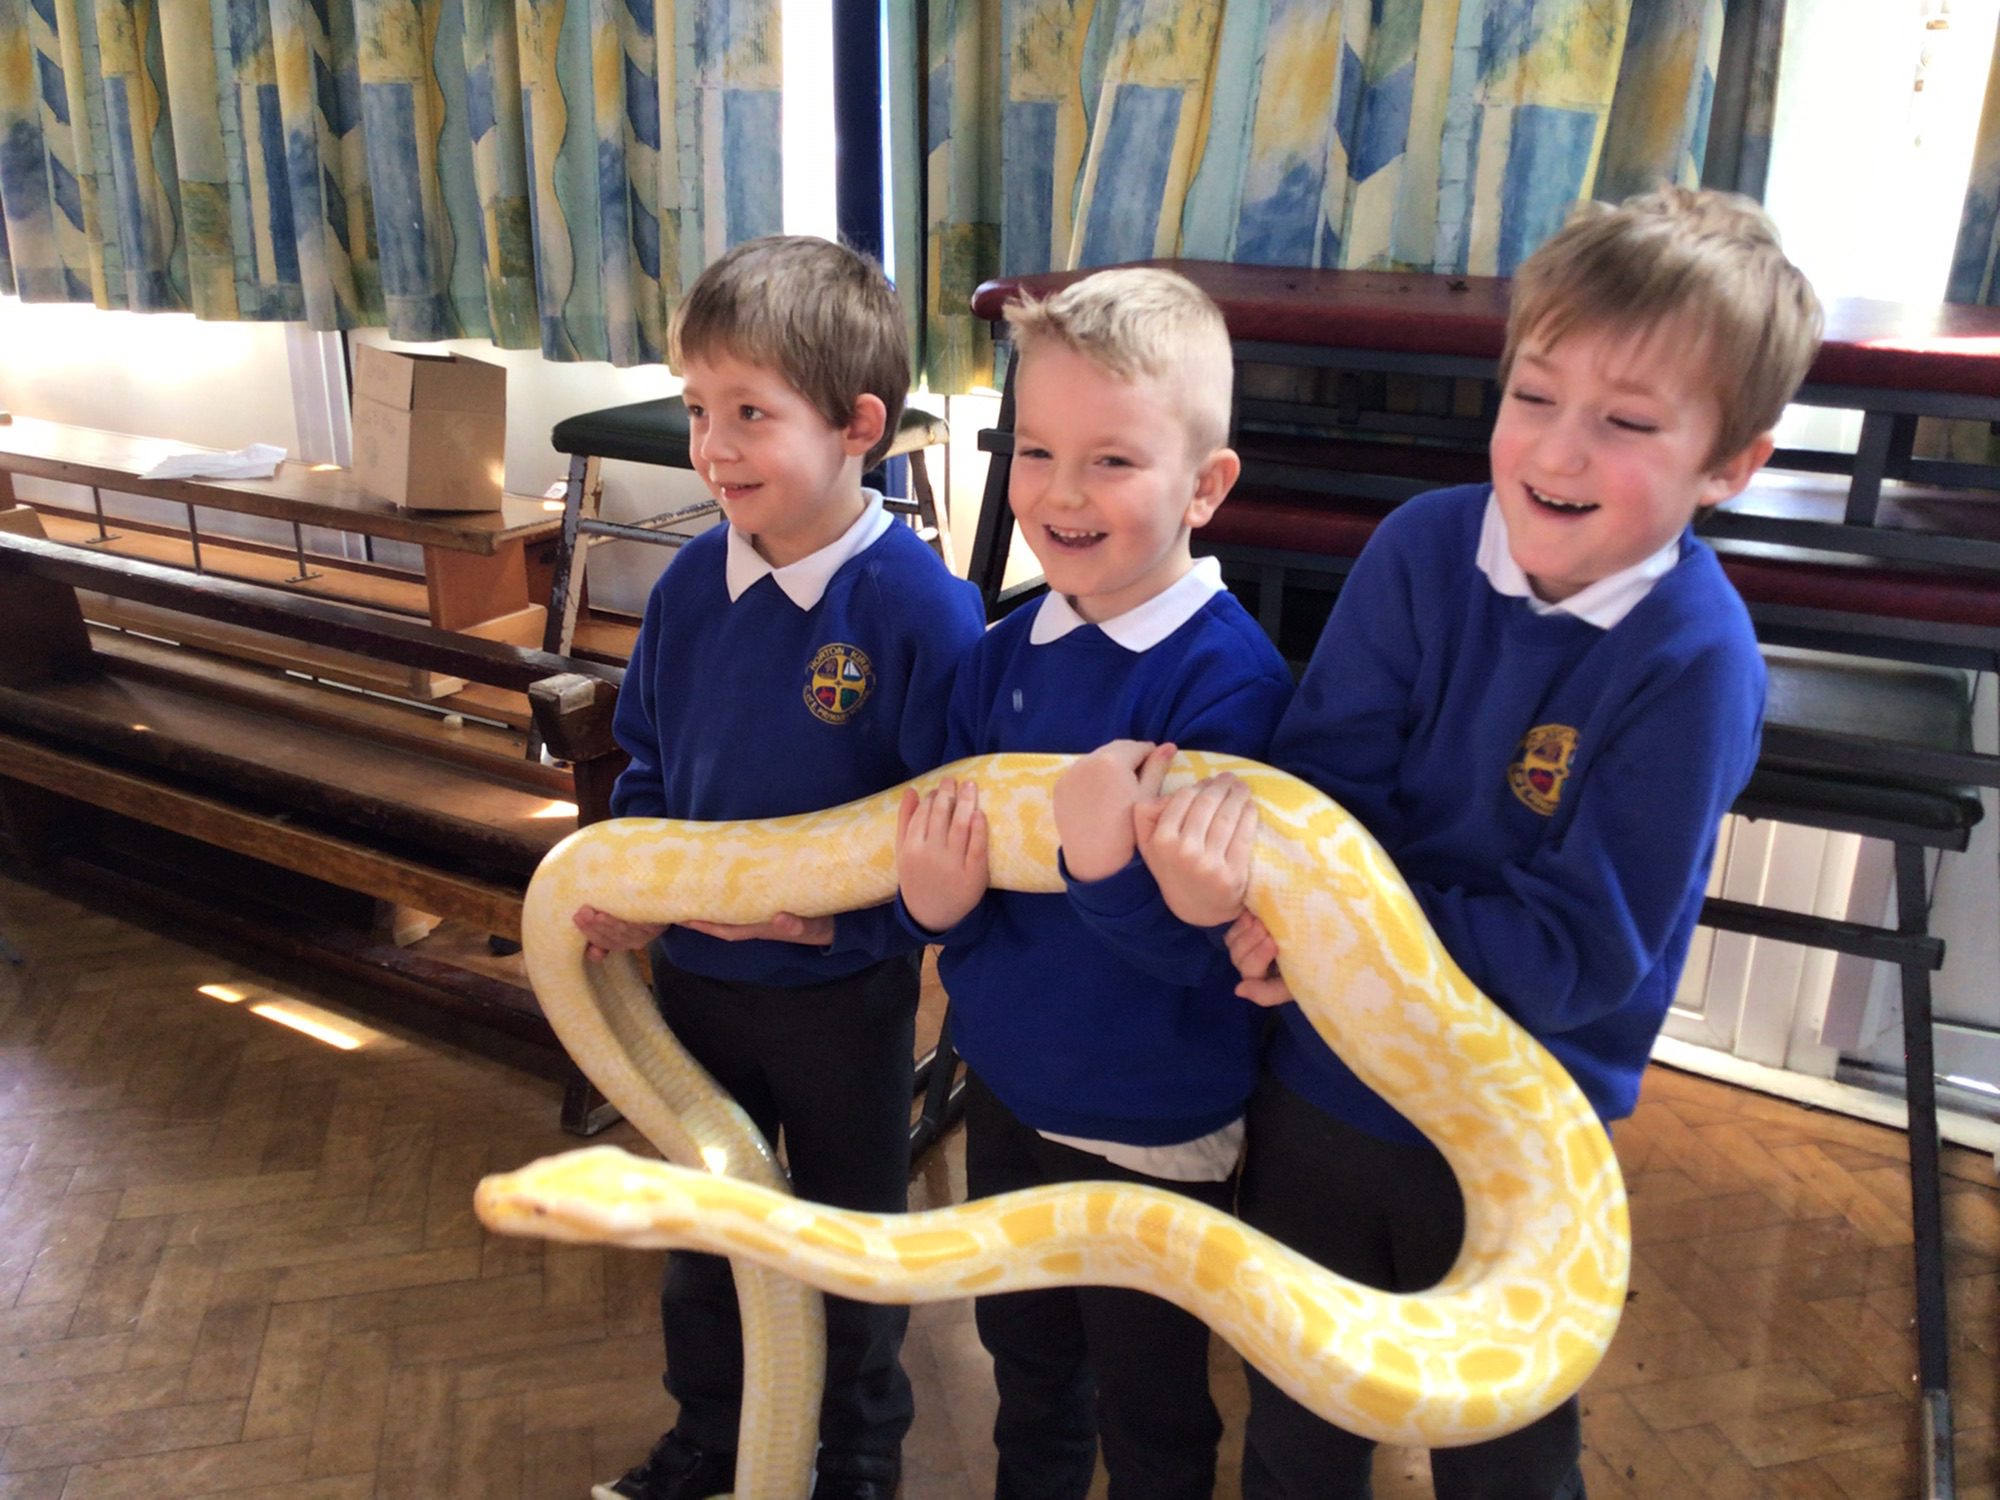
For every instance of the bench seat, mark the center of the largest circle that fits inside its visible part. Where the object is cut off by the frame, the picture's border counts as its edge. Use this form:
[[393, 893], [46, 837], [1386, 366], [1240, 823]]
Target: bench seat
[[1819, 707], [1909, 509], [1398, 311], [282, 808], [1327, 531], [1310, 463], [1281, 520], [1858, 586], [1940, 348], [452, 815]]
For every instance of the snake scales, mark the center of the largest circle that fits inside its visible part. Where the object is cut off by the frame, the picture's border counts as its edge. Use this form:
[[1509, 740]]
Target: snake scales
[[1518, 1324]]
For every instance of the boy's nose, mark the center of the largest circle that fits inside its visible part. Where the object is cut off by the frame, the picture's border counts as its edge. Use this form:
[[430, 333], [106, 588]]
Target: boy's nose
[[710, 446], [1065, 488], [1563, 448]]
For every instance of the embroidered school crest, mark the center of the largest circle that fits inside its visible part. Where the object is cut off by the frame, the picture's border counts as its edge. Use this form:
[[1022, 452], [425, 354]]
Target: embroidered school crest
[[839, 682], [1541, 766]]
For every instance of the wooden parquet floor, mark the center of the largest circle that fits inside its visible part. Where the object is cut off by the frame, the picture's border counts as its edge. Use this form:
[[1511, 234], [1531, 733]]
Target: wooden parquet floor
[[235, 1260]]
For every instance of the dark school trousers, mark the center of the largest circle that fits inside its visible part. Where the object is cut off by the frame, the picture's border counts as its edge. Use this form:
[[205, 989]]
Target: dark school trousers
[[829, 1067], [1078, 1364], [1390, 1216]]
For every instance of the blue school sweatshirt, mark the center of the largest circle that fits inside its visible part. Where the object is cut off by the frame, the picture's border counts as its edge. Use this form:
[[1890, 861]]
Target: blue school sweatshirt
[[1551, 790], [756, 708], [1096, 1012]]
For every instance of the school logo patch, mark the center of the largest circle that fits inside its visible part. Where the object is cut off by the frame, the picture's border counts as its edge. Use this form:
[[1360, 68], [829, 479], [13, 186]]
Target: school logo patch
[[839, 682], [1541, 766]]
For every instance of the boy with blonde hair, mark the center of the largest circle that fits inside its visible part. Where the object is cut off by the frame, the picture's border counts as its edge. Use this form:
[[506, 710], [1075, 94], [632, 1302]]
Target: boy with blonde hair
[[794, 659], [1541, 695], [1100, 1034]]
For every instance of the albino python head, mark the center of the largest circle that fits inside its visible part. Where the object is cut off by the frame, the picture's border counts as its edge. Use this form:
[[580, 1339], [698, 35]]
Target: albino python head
[[1515, 1328]]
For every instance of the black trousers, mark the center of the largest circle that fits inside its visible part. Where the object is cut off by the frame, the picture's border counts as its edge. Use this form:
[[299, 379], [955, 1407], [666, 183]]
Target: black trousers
[[1143, 1360], [829, 1068], [1389, 1216]]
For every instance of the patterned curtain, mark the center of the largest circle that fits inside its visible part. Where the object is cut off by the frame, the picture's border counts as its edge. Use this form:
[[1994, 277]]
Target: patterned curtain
[[1746, 97], [1442, 135], [1975, 271], [1975, 264], [537, 172]]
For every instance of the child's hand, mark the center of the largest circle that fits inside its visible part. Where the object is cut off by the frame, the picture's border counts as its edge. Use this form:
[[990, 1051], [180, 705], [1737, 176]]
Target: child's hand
[[814, 932], [1255, 954], [941, 854], [608, 934], [1094, 802], [1197, 844]]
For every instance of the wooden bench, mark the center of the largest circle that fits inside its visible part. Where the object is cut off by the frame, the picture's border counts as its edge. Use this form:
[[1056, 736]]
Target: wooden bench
[[275, 806], [481, 572]]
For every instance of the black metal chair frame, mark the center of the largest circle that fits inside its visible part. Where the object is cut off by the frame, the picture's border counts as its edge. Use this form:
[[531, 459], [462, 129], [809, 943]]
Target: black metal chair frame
[[655, 432]]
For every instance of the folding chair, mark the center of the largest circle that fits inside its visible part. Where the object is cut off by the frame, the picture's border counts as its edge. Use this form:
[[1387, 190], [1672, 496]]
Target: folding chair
[[656, 432]]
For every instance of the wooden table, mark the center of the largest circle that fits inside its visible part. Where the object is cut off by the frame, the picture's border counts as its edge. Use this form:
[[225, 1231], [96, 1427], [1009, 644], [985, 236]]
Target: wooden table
[[475, 563]]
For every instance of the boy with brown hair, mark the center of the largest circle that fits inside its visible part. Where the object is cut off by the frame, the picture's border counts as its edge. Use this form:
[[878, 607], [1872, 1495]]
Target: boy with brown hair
[[1100, 1034], [795, 659], [1540, 695]]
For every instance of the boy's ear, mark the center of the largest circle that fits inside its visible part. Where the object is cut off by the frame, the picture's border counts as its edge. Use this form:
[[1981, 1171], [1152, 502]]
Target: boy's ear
[[865, 427], [1733, 475], [1212, 483]]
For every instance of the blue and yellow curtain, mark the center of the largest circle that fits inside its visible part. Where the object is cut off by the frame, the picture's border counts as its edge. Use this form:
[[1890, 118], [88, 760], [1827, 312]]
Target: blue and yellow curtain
[[1441, 135], [1975, 264], [1975, 268], [542, 173], [1746, 97]]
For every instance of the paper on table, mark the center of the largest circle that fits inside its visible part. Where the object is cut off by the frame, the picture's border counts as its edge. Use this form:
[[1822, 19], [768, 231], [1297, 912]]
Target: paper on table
[[258, 461]]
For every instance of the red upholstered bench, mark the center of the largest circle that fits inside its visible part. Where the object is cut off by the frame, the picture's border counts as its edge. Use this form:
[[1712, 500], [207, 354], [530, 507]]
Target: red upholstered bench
[[1892, 362], [1870, 594], [1390, 311], [1269, 539]]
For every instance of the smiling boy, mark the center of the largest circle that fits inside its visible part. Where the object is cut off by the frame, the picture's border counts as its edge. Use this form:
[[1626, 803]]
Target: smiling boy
[[1101, 1034], [1540, 695], [794, 659]]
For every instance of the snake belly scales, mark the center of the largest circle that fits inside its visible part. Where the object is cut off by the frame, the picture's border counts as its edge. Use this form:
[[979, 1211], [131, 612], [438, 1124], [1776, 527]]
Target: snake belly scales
[[1516, 1327]]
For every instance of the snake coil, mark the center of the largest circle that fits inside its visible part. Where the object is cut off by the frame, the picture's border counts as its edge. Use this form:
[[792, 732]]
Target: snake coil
[[1514, 1329]]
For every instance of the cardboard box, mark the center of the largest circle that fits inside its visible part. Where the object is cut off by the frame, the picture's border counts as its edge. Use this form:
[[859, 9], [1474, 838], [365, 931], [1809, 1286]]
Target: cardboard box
[[430, 430]]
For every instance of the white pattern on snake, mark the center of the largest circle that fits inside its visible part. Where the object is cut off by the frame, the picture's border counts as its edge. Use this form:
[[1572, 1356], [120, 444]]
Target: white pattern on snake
[[1515, 1328]]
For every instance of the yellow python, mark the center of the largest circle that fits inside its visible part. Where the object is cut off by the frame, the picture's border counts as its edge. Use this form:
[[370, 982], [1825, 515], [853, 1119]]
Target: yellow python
[[1516, 1327]]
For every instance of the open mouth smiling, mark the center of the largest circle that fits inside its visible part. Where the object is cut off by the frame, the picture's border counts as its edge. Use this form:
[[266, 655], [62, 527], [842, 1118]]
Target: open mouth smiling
[[1073, 539], [1557, 504]]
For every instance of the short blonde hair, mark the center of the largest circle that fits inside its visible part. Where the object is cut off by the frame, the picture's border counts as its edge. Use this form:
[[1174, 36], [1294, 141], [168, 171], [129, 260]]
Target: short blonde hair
[[1707, 263], [1142, 322], [821, 315]]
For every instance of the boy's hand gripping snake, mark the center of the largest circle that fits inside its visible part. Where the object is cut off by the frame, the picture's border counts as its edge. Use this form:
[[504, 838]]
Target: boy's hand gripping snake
[[1514, 1329]]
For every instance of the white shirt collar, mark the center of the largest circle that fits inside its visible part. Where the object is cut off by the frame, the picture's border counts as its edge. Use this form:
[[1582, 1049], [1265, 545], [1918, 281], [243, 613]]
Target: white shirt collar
[[1603, 604], [805, 581], [1143, 626]]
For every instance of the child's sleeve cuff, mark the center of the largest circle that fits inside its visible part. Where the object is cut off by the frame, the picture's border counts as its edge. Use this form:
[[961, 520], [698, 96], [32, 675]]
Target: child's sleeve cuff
[[1118, 894], [963, 931]]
